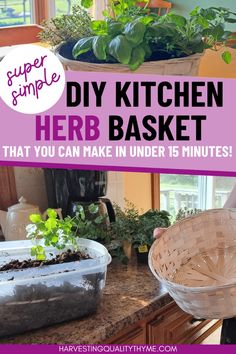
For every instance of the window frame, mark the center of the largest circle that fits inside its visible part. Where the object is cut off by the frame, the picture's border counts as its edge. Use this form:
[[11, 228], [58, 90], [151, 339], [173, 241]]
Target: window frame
[[206, 189]]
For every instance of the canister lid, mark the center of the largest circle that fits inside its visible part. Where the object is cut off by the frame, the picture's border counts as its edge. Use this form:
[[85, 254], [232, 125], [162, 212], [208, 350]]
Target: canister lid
[[22, 206]]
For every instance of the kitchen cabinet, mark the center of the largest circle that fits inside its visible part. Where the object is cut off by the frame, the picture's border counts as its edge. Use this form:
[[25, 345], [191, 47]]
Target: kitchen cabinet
[[136, 335], [169, 325]]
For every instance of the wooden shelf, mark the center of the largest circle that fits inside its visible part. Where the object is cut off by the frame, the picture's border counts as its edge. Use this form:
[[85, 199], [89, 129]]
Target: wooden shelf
[[14, 35]]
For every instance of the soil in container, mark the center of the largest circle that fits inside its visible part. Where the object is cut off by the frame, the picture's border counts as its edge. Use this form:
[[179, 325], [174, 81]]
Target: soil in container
[[64, 257], [66, 52], [39, 304], [46, 300]]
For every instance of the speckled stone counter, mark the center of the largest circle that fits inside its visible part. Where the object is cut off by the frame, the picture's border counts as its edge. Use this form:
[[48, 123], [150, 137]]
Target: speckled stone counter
[[131, 293]]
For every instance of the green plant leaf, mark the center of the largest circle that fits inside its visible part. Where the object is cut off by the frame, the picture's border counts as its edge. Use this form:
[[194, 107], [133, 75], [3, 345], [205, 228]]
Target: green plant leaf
[[35, 218], [38, 252], [178, 20], [201, 21], [115, 28], [33, 251], [209, 14], [134, 32], [99, 220], [146, 19], [227, 57], [40, 257], [100, 44], [93, 208], [120, 49], [137, 58], [230, 20], [87, 3], [99, 27], [82, 46], [227, 35], [52, 213], [79, 209], [148, 51], [50, 223], [216, 32], [195, 11], [54, 239]]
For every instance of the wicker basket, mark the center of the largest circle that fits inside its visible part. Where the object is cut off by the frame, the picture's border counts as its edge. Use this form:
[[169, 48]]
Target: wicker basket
[[187, 66], [195, 260]]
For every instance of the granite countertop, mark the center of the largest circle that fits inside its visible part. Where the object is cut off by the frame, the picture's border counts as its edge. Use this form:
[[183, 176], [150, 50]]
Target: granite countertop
[[131, 293]]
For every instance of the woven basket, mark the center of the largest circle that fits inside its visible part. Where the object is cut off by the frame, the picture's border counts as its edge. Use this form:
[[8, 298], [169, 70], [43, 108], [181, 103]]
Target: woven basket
[[195, 260], [187, 66]]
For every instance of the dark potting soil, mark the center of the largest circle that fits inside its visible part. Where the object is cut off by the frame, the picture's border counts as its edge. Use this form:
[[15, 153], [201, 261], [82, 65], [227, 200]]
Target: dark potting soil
[[66, 52], [64, 257], [28, 307]]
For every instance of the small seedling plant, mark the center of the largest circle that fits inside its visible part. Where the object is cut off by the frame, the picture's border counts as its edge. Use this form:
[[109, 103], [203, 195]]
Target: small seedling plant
[[61, 233]]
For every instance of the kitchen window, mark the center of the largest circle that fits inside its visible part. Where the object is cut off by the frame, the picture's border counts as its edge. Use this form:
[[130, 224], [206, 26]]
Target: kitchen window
[[23, 12], [15, 12], [200, 192], [59, 7], [64, 6]]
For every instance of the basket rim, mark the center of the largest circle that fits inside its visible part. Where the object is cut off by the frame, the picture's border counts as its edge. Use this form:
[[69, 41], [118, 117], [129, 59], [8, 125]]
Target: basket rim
[[177, 286]]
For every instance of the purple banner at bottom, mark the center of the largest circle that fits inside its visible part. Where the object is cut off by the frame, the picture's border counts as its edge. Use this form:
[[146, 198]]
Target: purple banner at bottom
[[106, 348]]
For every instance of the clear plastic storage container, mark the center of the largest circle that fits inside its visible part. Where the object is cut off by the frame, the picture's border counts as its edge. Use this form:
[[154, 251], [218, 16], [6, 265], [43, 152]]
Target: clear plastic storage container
[[37, 297]]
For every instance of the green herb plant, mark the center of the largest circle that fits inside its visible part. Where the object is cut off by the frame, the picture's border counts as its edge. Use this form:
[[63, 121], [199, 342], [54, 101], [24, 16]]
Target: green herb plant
[[136, 228], [147, 223], [65, 28], [129, 35], [95, 226], [61, 233], [127, 221], [186, 212]]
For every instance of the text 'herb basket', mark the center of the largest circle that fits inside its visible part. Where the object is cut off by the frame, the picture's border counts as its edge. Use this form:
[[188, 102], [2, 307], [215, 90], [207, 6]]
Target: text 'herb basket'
[[195, 260]]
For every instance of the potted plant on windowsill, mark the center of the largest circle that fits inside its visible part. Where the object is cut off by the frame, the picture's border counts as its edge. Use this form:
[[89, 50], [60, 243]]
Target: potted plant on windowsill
[[134, 40], [61, 281]]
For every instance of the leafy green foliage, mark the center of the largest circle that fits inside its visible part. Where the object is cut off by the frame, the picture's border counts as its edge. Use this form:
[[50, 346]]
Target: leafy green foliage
[[137, 57], [99, 27], [130, 35], [120, 49], [185, 213], [147, 223], [127, 221], [83, 46], [227, 57], [121, 9], [87, 3], [136, 228], [99, 47], [57, 233], [66, 27], [134, 32], [92, 225]]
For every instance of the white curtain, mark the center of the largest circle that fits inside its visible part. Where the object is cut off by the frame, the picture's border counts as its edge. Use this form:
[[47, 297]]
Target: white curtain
[[98, 8]]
